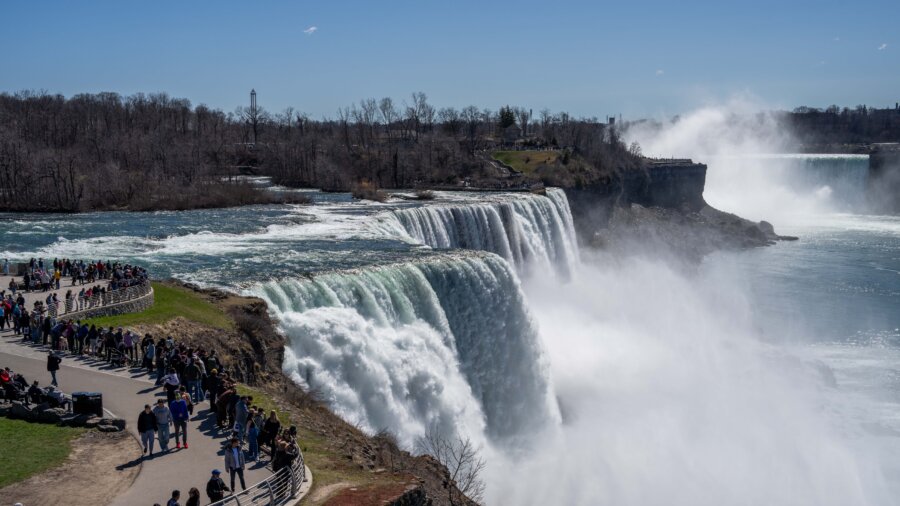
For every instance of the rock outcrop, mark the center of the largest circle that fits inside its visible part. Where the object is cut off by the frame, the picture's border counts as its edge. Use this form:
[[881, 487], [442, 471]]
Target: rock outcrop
[[661, 205], [43, 413], [884, 178]]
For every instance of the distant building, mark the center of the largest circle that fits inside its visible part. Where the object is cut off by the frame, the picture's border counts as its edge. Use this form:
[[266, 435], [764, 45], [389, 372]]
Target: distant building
[[512, 134]]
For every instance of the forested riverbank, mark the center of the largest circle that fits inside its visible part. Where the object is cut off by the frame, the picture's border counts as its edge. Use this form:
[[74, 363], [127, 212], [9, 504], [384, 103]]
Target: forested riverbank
[[153, 152]]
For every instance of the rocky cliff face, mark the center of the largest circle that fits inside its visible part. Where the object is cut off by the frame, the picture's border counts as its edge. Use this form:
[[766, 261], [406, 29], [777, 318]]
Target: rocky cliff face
[[660, 205], [673, 184]]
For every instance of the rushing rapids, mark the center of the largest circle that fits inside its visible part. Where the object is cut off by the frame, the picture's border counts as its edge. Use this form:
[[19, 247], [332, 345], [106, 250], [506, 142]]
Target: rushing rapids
[[530, 231], [445, 343]]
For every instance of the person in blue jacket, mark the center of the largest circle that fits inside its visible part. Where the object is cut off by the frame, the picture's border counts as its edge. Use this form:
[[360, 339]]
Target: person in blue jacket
[[180, 416]]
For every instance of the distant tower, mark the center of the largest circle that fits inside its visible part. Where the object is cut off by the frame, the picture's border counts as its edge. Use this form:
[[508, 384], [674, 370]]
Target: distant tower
[[253, 112]]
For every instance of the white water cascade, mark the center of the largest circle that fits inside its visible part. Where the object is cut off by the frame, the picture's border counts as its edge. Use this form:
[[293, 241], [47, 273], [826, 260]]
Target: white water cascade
[[446, 343], [529, 231]]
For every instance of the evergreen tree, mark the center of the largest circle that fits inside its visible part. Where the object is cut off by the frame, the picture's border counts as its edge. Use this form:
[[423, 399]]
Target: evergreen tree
[[507, 117]]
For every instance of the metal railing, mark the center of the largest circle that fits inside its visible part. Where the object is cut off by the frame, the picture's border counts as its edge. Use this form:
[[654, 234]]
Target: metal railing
[[112, 297], [277, 490]]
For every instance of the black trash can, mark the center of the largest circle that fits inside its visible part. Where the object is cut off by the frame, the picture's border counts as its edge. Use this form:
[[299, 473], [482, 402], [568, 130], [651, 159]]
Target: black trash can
[[87, 403]]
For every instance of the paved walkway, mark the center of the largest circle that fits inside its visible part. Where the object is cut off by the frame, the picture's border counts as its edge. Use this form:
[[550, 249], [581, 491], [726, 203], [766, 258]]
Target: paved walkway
[[125, 391]]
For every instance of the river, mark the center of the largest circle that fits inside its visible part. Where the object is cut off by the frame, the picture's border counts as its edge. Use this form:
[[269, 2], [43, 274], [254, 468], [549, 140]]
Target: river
[[763, 376]]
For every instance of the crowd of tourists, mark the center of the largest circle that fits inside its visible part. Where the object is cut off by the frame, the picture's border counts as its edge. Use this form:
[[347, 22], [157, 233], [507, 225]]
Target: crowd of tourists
[[101, 278], [44, 276], [42, 321], [190, 376]]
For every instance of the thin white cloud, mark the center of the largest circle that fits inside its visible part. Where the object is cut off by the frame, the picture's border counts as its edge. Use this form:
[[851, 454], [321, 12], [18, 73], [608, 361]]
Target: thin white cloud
[[882, 47], [311, 30], [660, 72], [837, 39]]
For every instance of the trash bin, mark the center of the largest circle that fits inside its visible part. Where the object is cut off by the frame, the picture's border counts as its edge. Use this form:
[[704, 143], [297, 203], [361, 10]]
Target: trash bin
[[87, 403]]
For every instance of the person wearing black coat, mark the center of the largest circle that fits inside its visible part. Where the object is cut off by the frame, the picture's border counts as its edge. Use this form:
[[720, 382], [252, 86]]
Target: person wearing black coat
[[215, 487], [147, 426], [53, 361], [270, 429]]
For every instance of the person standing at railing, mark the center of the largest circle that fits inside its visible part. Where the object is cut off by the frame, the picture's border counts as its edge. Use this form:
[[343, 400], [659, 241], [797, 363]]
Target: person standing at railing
[[215, 487], [252, 440], [45, 281], [160, 361], [149, 349], [270, 430], [80, 337], [109, 344], [46, 329], [241, 413], [128, 340], [193, 497], [93, 339], [70, 332]]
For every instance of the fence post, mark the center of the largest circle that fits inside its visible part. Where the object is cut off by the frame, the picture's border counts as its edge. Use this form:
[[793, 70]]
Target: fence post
[[271, 492], [293, 483]]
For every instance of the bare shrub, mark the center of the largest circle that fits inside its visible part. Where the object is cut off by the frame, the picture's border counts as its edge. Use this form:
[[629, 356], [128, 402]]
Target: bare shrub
[[367, 190], [464, 465]]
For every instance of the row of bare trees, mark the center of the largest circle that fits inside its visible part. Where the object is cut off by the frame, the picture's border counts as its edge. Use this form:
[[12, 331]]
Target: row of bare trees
[[102, 151], [835, 125]]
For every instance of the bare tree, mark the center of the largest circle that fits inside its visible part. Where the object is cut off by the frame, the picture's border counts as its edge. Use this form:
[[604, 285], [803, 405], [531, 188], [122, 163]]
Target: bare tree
[[450, 119], [463, 463], [523, 115]]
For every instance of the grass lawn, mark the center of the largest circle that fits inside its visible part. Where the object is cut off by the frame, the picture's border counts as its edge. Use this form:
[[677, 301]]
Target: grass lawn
[[169, 302], [29, 448], [526, 161]]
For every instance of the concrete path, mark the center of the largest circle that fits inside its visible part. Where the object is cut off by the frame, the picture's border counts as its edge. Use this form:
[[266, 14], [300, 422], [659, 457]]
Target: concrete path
[[124, 393]]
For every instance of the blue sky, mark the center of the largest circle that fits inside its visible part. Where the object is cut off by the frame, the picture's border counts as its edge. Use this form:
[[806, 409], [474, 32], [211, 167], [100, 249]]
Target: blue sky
[[590, 58]]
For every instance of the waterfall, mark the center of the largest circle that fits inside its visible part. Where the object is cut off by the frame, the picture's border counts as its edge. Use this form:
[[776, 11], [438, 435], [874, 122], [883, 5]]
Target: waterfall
[[445, 342], [530, 231]]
